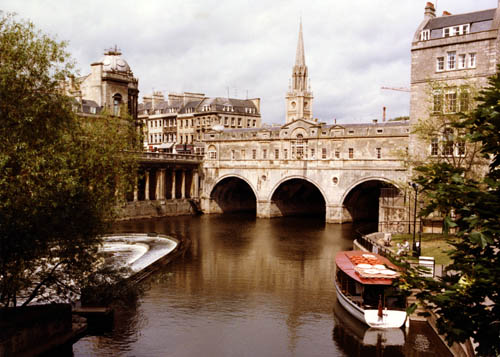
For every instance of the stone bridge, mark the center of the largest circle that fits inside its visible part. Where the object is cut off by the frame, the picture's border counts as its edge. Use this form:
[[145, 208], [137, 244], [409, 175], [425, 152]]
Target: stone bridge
[[338, 172]]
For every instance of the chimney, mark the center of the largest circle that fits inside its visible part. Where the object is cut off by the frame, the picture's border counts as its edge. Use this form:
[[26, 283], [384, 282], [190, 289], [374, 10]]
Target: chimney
[[446, 13], [375, 121], [430, 11], [383, 114]]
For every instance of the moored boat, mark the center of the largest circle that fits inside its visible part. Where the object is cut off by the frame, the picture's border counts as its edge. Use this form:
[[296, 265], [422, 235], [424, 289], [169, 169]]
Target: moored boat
[[363, 282]]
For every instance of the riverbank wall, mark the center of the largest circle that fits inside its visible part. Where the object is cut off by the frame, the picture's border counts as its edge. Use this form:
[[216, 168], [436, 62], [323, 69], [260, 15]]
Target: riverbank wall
[[157, 208], [33, 330]]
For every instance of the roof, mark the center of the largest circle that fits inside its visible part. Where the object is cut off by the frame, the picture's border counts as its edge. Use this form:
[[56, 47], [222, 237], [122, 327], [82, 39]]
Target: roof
[[459, 19], [344, 263]]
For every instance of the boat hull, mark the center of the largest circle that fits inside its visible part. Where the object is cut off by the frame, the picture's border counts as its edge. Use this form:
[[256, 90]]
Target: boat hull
[[390, 319]]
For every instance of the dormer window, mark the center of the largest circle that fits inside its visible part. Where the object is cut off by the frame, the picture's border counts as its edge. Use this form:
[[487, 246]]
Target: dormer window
[[425, 35], [446, 32]]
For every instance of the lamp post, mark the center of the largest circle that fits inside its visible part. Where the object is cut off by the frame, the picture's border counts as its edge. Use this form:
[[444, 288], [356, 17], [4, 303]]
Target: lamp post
[[414, 245]]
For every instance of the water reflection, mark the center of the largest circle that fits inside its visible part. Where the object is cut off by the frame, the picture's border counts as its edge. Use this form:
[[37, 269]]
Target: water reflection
[[244, 287]]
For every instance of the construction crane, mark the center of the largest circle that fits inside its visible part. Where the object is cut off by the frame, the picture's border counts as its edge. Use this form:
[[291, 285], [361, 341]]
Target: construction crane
[[401, 89]]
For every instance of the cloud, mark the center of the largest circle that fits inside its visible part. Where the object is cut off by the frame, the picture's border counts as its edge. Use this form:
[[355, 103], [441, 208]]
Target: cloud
[[215, 47]]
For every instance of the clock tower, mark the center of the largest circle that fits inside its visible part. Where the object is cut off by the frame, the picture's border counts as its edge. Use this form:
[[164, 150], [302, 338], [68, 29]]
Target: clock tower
[[299, 96]]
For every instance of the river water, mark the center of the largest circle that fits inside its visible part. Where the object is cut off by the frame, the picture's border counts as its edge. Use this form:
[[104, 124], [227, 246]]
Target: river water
[[248, 287]]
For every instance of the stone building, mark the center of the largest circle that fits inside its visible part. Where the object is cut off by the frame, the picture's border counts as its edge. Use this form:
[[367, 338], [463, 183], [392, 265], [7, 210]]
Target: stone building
[[183, 118], [452, 57], [111, 84]]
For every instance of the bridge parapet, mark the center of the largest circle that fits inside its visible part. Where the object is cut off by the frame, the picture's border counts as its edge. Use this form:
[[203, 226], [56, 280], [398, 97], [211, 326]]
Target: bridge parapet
[[148, 157]]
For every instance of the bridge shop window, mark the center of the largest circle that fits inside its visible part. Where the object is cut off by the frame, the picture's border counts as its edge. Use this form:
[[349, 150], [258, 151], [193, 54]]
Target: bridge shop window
[[276, 154], [379, 153], [337, 154], [351, 153], [254, 154], [264, 154], [323, 153], [285, 154], [243, 154]]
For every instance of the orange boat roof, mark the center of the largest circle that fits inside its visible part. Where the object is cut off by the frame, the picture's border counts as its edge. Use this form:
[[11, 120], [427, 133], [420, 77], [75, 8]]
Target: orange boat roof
[[344, 263]]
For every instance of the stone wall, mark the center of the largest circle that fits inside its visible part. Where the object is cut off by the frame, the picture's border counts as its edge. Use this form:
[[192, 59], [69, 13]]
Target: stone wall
[[31, 330], [156, 208]]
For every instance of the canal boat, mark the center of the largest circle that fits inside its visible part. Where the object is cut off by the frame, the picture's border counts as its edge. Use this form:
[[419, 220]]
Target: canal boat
[[364, 288]]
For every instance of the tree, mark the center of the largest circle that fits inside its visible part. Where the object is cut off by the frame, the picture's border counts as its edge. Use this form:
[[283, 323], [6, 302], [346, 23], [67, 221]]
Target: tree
[[59, 172], [467, 298]]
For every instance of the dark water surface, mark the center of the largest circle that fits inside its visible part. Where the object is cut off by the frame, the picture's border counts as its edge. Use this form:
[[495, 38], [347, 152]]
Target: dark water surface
[[248, 287]]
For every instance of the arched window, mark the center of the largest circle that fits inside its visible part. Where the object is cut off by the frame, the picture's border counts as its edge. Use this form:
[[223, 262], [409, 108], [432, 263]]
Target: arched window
[[117, 102], [212, 153]]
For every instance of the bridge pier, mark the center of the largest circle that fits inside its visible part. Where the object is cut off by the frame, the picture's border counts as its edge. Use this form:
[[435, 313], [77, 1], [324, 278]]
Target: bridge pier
[[267, 209], [337, 214]]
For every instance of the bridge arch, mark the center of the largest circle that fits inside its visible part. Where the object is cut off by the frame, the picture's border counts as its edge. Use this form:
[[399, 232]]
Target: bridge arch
[[362, 198], [233, 193], [298, 195]]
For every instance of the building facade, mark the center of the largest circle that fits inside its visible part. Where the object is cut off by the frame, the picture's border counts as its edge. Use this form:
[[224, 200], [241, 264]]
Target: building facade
[[452, 57], [111, 85], [179, 122]]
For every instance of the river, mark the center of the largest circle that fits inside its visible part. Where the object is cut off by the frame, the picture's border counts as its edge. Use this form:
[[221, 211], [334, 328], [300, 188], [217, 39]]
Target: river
[[248, 287]]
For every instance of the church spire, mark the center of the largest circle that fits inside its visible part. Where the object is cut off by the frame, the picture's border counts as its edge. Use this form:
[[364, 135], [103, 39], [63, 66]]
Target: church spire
[[300, 57], [299, 96]]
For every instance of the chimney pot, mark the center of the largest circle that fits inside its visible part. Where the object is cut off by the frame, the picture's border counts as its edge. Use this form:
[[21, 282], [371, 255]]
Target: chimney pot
[[430, 11], [383, 114], [446, 13]]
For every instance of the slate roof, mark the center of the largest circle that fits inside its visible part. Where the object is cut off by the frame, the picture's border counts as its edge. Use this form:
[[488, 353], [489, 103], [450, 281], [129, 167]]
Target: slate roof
[[459, 19]]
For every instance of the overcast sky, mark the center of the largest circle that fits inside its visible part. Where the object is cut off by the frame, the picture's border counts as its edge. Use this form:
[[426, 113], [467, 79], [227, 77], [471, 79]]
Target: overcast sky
[[216, 47]]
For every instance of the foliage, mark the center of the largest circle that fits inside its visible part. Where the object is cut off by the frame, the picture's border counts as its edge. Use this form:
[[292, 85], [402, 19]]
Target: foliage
[[59, 172], [467, 298]]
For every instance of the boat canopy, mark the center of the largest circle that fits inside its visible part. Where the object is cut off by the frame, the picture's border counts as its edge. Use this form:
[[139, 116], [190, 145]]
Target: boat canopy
[[346, 261]]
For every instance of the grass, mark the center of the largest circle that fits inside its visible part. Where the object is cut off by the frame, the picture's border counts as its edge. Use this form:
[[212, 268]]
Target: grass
[[433, 245]]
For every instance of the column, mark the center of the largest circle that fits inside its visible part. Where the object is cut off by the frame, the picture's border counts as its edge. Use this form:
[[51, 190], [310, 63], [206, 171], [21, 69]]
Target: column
[[173, 184], [136, 190], [183, 185], [162, 184], [146, 188], [194, 184]]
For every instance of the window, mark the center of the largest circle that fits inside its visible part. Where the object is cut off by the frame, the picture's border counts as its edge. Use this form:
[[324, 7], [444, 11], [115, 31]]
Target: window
[[312, 153], [425, 35], [451, 60], [446, 32], [351, 153], [380, 131], [379, 153], [472, 60], [323, 153], [117, 101], [448, 142], [285, 154], [233, 155], [243, 154], [465, 29], [456, 30], [254, 154], [464, 100], [461, 61], [461, 147], [337, 154], [437, 102], [276, 154], [264, 153], [212, 155], [434, 147], [451, 102]]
